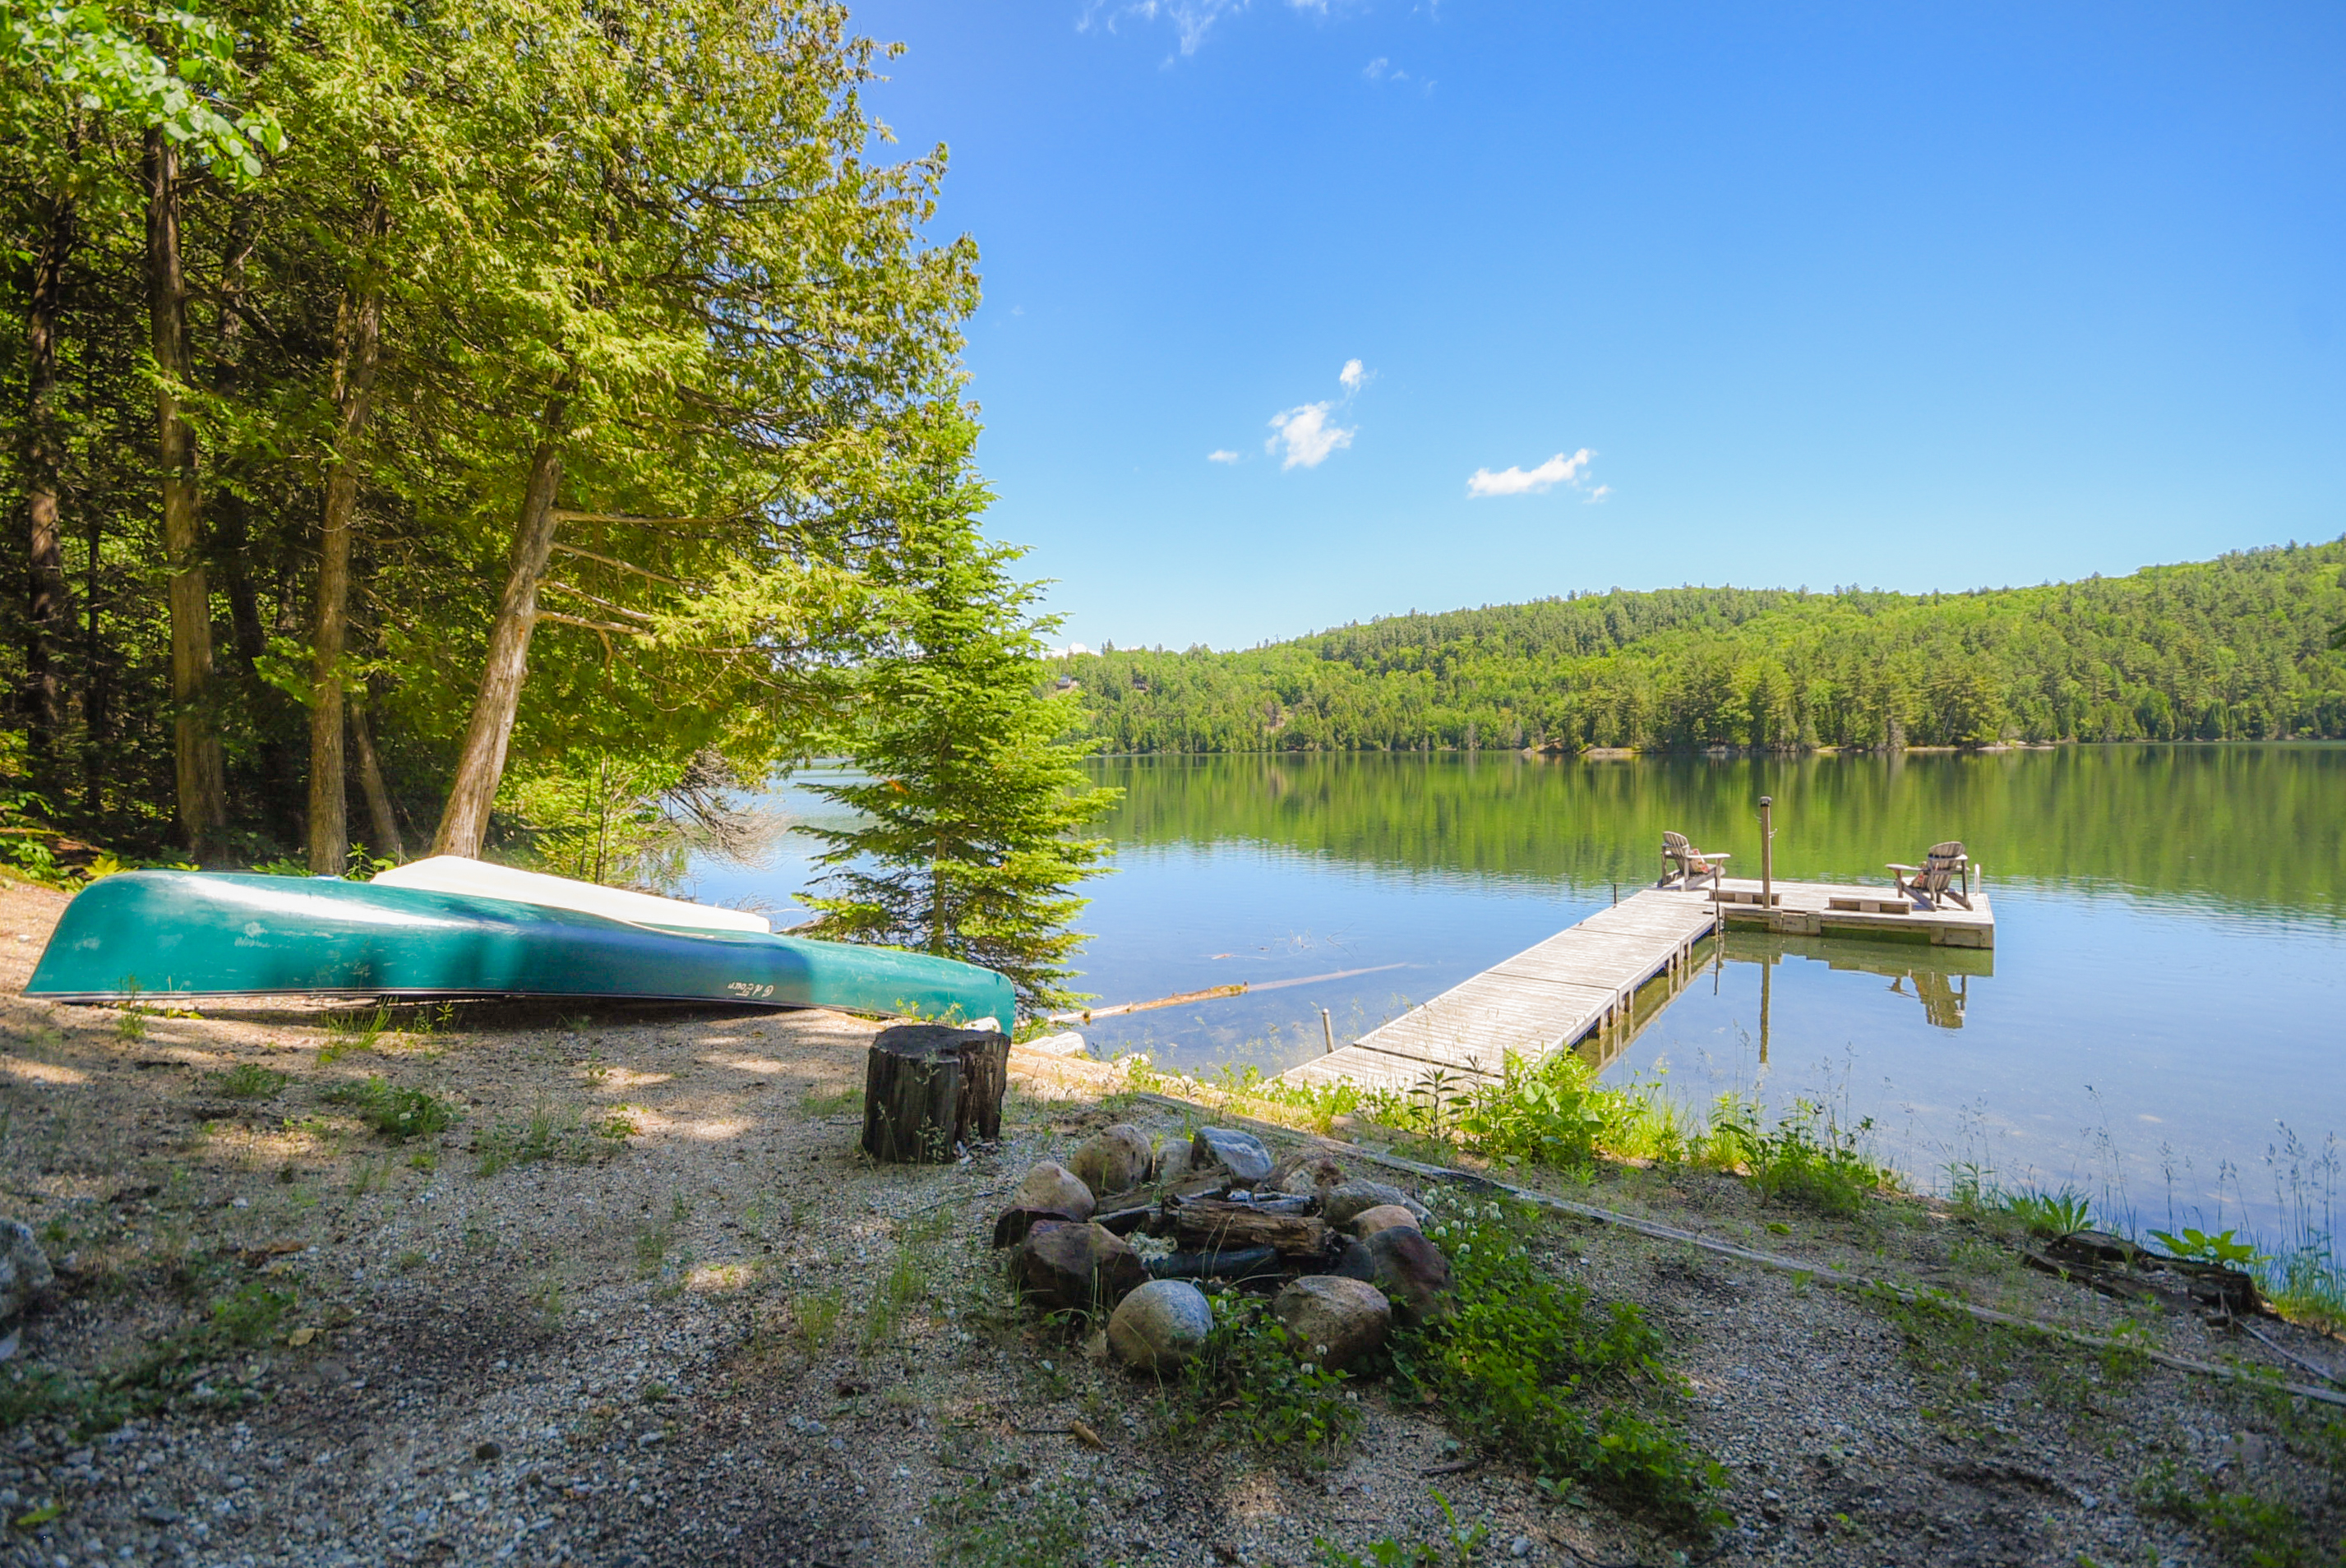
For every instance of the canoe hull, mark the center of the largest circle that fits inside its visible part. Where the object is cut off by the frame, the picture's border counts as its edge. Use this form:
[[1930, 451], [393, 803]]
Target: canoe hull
[[195, 933]]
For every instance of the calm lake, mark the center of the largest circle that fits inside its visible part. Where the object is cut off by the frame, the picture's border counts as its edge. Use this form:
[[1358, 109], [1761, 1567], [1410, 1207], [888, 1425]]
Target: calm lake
[[2162, 1024]]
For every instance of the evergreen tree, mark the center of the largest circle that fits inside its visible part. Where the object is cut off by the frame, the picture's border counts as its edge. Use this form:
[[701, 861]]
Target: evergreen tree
[[973, 805]]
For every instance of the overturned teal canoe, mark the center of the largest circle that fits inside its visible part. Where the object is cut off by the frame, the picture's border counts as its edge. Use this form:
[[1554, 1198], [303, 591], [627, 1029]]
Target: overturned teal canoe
[[201, 933]]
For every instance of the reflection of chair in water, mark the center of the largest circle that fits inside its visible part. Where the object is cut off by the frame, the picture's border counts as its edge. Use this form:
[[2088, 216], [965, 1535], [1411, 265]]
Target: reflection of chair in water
[[1684, 865], [1941, 996], [1932, 881]]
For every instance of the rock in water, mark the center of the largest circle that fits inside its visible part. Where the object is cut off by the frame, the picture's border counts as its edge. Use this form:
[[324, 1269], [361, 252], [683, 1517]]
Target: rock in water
[[1384, 1217], [1412, 1272], [1240, 1154], [1334, 1321], [1160, 1325], [1114, 1161], [25, 1269], [1079, 1266], [1050, 1187], [1339, 1204]]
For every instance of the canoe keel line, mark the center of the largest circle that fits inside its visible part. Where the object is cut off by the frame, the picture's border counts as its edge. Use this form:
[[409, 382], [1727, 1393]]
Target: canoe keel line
[[175, 934]]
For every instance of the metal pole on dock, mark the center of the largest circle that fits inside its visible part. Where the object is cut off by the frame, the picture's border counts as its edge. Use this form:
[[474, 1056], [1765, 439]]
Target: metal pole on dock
[[1328, 1030], [1767, 854]]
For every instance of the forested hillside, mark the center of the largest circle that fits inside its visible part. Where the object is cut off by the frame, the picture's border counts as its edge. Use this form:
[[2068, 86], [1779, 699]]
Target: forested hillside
[[2234, 648]]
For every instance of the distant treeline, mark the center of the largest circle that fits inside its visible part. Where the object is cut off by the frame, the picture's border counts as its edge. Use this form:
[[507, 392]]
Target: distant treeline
[[2234, 648]]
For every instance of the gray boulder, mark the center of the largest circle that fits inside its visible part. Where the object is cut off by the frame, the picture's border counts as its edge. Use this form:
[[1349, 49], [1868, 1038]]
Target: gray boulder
[[1050, 1187], [1384, 1217], [1082, 1267], [1114, 1161], [24, 1271], [1307, 1173], [1412, 1272], [1333, 1321], [1172, 1162], [1339, 1204], [1239, 1153], [1160, 1325]]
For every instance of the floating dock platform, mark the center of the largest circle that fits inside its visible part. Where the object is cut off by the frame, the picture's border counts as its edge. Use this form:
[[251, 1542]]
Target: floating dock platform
[[1587, 981]]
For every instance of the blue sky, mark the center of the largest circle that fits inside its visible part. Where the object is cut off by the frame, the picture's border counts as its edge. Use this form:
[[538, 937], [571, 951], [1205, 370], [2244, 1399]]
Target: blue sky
[[1479, 303]]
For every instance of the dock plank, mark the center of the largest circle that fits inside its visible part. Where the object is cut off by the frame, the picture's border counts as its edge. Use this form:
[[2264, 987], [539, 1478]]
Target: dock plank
[[1558, 991]]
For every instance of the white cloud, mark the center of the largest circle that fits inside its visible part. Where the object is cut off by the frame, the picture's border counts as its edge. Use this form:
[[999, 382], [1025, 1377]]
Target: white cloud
[[1382, 69], [1597, 494], [1512, 481], [1352, 375], [1223, 456], [1190, 18], [1307, 435]]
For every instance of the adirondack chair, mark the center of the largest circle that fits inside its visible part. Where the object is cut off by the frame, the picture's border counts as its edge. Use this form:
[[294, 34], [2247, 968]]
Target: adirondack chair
[[1933, 879], [1683, 865]]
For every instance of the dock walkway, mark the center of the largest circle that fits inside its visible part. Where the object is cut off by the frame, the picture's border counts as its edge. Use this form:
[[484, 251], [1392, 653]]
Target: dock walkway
[[1586, 980]]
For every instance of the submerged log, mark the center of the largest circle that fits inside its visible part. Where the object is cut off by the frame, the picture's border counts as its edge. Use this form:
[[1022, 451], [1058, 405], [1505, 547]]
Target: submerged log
[[928, 1088]]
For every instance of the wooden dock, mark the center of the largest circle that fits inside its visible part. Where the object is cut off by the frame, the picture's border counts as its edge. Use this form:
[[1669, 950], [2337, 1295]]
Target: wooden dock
[[1828, 908], [1586, 981]]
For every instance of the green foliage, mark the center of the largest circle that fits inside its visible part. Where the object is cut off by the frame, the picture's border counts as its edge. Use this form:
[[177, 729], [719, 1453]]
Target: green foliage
[[1457, 1547], [1556, 1113], [2251, 1528], [395, 1112], [569, 1135], [988, 1523], [170, 1372], [2227, 649], [1806, 1158], [2308, 1287], [2220, 1248], [1252, 1384], [249, 1081], [969, 843], [83, 55], [1529, 1365]]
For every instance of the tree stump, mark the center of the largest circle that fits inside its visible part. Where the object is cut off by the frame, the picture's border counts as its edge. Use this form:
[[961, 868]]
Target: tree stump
[[928, 1086]]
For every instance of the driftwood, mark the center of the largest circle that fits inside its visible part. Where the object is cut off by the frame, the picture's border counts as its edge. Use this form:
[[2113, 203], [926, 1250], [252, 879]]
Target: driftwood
[[1209, 1224], [928, 1088]]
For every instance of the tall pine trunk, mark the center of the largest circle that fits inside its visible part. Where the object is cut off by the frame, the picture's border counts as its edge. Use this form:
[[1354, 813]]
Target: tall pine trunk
[[202, 784], [465, 822], [47, 601], [357, 344]]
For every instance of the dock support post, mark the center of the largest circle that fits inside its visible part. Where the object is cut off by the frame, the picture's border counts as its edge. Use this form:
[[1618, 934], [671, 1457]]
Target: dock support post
[[1768, 855]]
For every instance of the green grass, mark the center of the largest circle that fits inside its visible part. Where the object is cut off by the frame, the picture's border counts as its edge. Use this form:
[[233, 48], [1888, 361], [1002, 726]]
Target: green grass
[[172, 1371], [349, 1032], [249, 1081], [569, 1135], [1250, 1385], [1458, 1546], [1529, 1365], [395, 1112], [814, 1320], [988, 1523], [1807, 1159]]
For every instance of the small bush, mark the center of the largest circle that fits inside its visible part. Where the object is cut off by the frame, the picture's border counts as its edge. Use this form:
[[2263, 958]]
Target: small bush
[[1577, 1393], [249, 1081], [401, 1113], [1807, 1159], [2049, 1214], [349, 1032], [1251, 1381]]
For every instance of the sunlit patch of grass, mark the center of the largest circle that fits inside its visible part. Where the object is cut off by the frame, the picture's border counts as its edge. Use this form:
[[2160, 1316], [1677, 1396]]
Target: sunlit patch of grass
[[349, 1032], [396, 1113], [249, 1081], [570, 1135]]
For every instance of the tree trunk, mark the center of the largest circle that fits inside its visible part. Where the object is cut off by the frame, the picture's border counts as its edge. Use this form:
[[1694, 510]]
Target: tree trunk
[[482, 762], [49, 609], [357, 341], [928, 1086], [202, 786], [383, 822]]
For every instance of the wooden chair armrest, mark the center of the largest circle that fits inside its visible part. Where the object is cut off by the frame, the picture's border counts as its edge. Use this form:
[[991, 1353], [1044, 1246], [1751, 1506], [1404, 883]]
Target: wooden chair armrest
[[1716, 858], [1896, 867]]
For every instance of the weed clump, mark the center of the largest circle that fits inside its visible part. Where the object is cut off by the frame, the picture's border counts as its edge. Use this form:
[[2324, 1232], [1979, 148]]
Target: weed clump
[[249, 1081], [401, 1113], [567, 1135], [1807, 1159], [1250, 1380], [1579, 1393]]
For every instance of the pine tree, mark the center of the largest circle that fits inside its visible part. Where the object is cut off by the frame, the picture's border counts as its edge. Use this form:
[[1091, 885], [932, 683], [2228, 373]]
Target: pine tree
[[973, 806]]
